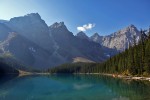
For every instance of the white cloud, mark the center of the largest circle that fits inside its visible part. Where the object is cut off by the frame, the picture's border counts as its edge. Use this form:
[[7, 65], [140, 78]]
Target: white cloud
[[85, 27]]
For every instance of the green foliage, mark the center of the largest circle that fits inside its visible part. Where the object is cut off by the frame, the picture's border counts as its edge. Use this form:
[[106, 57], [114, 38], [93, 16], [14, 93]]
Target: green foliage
[[13, 63], [133, 61]]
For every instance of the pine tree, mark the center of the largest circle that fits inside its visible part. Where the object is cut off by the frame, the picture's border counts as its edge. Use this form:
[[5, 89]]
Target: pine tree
[[149, 33], [147, 58]]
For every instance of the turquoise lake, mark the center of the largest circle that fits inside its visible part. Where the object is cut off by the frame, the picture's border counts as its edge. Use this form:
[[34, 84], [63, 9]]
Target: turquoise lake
[[72, 87]]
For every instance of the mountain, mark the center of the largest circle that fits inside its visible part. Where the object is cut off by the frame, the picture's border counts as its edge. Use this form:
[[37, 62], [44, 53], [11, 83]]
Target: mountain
[[96, 38], [32, 27], [35, 44], [4, 31], [69, 46], [82, 35], [126, 63], [3, 21], [26, 51], [119, 40]]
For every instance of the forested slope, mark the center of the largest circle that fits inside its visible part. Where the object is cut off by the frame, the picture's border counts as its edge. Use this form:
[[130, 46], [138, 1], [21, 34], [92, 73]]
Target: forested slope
[[133, 61]]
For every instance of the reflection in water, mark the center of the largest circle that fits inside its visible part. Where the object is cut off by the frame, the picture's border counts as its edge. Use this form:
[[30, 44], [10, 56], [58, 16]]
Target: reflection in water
[[81, 86], [73, 87], [6, 77]]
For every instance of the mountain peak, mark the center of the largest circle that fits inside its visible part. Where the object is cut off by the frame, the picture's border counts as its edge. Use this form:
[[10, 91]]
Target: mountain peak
[[59, 28], [131, 27], [95, 34], [32, 27], [122, 38], [96, 38], [129, 30], [58, 25], [82, 35], [33, 15]]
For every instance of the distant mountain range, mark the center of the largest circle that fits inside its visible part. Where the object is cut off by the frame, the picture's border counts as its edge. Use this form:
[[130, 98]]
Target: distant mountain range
[[119, 40], [32, 42]]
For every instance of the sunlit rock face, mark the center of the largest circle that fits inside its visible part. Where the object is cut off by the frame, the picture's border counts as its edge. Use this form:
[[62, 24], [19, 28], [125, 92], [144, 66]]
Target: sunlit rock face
[[119, 40]]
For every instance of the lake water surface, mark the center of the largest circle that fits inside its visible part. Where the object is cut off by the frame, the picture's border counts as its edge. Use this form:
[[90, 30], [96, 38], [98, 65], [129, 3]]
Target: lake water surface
[[72, 87]]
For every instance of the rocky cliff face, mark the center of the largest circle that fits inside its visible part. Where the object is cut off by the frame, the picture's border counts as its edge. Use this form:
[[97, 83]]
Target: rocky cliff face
[[82, 35], [70, 46], [4, 31], [96, 38], [33, 28], [34, 44], [119, 40], [25, 51]]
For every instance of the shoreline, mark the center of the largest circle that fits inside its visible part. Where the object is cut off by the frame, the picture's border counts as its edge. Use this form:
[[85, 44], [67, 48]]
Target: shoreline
[[25, 73], [142, 78]]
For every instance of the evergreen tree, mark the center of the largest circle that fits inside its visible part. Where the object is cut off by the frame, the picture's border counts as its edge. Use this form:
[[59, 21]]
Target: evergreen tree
[[135, 60]]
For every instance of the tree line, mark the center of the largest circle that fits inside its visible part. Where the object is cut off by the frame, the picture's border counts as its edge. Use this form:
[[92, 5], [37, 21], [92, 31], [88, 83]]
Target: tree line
[[133, 61]]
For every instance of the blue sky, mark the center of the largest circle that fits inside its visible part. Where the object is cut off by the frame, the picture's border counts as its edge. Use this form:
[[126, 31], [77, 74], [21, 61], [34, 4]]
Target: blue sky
[[104, 16]]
